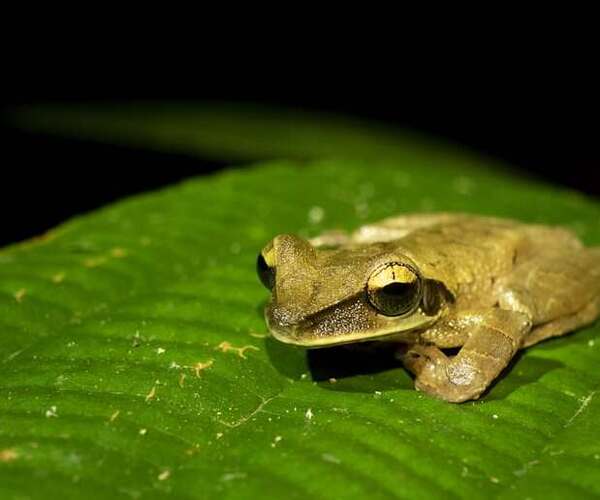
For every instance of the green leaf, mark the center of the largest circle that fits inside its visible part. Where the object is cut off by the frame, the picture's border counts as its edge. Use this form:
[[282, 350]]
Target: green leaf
[[119, 374]]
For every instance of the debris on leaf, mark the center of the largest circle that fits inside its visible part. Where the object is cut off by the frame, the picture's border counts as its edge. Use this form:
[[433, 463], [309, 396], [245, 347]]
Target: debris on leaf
[[8, 455], [118, 253], [151, 394], [200, 366], [92, 262], [58, 277], [226, 346], [20, 294]]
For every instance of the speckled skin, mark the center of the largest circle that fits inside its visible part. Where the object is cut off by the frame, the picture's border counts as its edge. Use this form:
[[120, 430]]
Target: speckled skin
[[489, 286]]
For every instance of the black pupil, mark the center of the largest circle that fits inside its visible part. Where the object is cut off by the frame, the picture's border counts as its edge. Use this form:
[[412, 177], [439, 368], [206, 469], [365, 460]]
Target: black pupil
[[265, 273], [397, 298], [397, 289]]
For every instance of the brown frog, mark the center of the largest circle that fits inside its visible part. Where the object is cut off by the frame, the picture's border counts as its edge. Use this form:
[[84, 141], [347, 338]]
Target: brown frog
[[432, 281]]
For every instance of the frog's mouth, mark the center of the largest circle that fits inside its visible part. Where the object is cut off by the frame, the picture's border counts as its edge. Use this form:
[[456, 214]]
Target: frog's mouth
[[328, 341], [331, 327]]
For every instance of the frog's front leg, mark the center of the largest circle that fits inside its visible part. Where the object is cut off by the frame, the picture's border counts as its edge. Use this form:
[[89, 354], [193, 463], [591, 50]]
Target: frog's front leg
[[492, 339]]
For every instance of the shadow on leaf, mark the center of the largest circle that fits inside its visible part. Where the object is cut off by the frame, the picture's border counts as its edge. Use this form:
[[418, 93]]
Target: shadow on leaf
[[520, 372], [288, 360], [354, 368], [364, 367]]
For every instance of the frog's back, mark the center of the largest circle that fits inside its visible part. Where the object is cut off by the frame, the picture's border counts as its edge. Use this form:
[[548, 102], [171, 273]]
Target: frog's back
[[468, 252], [465, 252]]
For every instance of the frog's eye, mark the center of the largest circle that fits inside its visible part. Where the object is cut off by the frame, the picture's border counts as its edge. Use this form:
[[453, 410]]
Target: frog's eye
[[266, 273], [394, 289]]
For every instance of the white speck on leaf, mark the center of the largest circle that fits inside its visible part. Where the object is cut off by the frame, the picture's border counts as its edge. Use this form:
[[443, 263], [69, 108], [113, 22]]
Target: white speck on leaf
[[328, 457], [591, 343], [164, 475], [309, 414], [160, 350], [143, 432], [494, 416], [316, 215], [230, 476], [51, 412]]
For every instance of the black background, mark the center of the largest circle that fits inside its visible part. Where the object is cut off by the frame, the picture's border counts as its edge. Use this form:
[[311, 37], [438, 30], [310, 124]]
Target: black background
[[543, 125]]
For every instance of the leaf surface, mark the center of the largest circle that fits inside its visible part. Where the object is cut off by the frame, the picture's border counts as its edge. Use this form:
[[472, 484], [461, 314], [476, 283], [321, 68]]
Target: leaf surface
[[133, 360]]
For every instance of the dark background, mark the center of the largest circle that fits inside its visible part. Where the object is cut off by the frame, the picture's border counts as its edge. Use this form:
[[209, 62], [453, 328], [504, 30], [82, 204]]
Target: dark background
[[544, 127]]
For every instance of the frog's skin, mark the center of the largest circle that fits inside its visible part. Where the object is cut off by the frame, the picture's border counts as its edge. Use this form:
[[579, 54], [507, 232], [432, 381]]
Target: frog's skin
[[489, 286]]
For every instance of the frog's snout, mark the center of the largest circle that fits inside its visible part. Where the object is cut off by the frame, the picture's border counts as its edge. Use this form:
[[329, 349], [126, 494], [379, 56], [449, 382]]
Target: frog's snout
[[285, 317], [285, 322]]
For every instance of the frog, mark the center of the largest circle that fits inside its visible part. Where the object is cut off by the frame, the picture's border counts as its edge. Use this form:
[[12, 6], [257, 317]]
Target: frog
[[457, 295]]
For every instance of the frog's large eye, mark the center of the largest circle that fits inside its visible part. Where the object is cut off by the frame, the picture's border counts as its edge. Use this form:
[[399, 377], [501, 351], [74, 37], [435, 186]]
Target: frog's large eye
[[266, 273], [394, 289]]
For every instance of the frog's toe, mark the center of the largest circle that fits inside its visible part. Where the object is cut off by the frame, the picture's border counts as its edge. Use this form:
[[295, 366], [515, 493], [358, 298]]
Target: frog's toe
[[416, 357], [448, 391]]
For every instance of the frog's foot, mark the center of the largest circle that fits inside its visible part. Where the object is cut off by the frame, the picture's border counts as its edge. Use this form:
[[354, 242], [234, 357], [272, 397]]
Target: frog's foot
[[465, 376], [437, 375]]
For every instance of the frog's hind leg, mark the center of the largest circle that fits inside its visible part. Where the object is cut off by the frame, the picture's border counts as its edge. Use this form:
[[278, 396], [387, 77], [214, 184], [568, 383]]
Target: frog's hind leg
[[556, 285], [561, 294], [561, 326]]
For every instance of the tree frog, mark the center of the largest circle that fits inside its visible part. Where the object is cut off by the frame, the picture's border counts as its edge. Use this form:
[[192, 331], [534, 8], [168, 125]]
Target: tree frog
[[429, 282]]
